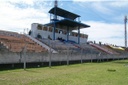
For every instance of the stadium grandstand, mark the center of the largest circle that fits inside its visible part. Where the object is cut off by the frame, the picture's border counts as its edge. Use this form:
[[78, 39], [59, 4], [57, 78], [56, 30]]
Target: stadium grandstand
[[55, 41]]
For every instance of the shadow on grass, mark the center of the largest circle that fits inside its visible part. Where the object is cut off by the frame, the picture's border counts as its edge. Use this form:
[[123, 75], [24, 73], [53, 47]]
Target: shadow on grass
[[111, 70]]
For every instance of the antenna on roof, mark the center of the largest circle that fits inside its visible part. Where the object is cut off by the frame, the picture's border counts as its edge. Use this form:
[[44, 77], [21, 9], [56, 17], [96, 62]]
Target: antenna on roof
[[56, 3]]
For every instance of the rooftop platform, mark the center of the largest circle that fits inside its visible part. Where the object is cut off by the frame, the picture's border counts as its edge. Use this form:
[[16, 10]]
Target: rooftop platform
[[63, 13], [69, 23]]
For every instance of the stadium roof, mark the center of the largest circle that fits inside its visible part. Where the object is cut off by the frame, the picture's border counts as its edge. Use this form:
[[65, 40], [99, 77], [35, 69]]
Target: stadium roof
[[70, 23], [63, 13]]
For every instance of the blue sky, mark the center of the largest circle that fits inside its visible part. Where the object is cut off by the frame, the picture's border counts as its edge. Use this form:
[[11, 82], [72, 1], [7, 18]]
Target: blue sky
[[106, 17]]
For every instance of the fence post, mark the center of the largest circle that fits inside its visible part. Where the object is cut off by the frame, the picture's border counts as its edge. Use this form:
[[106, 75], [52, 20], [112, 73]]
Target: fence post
[[24, 52], [68, 56], [81, 56], [91, 56], [50, 54]]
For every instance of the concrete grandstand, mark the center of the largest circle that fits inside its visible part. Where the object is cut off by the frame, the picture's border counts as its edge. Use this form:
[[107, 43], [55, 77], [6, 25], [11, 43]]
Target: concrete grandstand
[[56, 42]]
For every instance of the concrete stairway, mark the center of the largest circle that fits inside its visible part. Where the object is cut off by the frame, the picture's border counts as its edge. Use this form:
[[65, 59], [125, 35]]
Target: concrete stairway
[[103, 49], [42, 44]]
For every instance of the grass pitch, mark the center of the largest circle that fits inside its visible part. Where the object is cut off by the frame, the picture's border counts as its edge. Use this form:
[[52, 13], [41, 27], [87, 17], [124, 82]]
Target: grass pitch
[[107, 73]]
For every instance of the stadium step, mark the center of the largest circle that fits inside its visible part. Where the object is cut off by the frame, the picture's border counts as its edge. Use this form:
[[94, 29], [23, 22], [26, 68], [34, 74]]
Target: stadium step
[[103, 49], [42, 44]]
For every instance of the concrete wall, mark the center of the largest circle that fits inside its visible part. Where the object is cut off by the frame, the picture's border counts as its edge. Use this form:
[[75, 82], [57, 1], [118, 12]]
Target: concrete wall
[[10, 57]]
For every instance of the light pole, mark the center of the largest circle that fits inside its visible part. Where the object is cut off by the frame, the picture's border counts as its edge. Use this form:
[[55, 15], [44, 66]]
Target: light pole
[[125, 30]]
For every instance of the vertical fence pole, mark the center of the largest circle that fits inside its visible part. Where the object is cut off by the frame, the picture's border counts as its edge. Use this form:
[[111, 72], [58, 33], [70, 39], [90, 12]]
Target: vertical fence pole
[[68, 56], [81, 55], [91, 56], [50, 53], [24, 52]]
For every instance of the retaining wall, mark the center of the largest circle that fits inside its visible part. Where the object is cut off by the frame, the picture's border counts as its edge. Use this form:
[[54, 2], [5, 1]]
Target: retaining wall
[[11, 57]]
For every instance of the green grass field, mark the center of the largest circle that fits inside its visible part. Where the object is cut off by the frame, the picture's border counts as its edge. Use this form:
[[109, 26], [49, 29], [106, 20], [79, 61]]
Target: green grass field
[[107, 73]]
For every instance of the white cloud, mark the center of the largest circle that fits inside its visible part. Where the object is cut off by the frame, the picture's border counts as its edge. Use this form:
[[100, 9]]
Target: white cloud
[[30, 2], [98, 6], [17, 19], [120, 3], [84, 0], [95, 0], [105, 32], [104, 6]]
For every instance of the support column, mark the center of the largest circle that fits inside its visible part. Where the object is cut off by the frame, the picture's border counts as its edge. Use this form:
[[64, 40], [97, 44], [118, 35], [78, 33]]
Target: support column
[[79, 35], [50, 18], [67, 33], [54, 31], [78, 19], [55, 18]]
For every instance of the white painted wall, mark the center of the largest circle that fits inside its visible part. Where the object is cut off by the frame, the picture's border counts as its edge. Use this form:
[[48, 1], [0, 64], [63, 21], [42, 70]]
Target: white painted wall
[[34, 29], [45, 34]]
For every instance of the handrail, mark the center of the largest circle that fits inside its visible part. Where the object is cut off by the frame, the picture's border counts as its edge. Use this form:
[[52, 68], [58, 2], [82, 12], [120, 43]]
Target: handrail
[[100, 48], [42, 44]]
